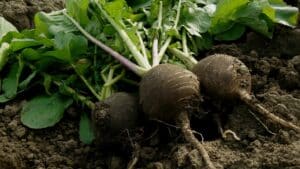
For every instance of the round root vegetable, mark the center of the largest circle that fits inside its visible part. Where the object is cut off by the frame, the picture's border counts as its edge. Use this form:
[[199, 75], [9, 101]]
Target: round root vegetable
[[116, 113], [226, 77], [169, 93]]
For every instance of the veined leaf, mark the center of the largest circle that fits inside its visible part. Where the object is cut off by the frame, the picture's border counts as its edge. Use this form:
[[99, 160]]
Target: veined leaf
[[116, 9], [234, 33], [284, 14], [261, 24], [26, 38], [78, 10], [223, 18], [11, 82], [17, 44], [68, 46], [252, 14], [194, 19], [86, 133], [6, 27], [52, 23], [44, 111], [31, 54]]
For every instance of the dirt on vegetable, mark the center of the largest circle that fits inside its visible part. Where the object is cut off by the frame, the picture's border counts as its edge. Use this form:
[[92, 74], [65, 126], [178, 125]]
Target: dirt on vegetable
[[275, 69]]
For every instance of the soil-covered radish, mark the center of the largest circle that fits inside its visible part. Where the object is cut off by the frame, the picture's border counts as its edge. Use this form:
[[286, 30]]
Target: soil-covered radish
[[169, 93], [168, 90], [223, 76], [226, 77], [116, 113]]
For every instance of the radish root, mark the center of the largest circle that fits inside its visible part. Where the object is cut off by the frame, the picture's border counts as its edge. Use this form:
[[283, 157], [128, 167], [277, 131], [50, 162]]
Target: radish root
[[226, 77], [184, 122], [225, 133], [260, 122], [169, 93], [254, 104]]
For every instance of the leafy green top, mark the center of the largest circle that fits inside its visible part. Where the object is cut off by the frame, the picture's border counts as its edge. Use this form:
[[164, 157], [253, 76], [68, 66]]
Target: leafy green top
[[69, 52]]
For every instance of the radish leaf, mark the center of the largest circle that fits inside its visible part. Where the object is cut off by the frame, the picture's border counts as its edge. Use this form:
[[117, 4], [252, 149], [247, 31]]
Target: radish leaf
[[4, 52], [224, 16], [284, 14], [78, 10], [234, 33], [44, 111], [86, 133], [6, 27], [194, 19], [18, 44], [11, 82], [52, 23], [68, 46]]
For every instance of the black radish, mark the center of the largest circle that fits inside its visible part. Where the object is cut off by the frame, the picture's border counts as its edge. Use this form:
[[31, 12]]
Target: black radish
[[167, 92], [116, 113], [170, 93], [226, 77]]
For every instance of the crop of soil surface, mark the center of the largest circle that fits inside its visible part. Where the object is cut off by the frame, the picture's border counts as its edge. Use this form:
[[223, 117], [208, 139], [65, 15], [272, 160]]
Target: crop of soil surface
[[21, 12], [275, 69]]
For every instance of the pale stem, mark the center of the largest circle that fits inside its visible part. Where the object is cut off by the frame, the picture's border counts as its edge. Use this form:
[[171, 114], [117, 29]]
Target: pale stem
[[124, 61], [128, 42], [168, 41]]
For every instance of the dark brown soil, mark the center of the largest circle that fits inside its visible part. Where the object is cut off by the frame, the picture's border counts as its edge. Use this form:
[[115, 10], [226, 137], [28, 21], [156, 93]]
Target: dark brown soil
[[21, 12], [275, 69]]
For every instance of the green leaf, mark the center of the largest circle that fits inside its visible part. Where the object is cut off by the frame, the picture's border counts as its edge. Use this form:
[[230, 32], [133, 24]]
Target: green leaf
[[224, 17], [47, 83], [262, 24], [28, 35], [4, 52], [6, 27], [11, 81], [78, 10], [284, 14], [252, 15], [52, 23], [31, 54], [232, 34], [68, 46], [194, 19], [167, 9], [86, 133], [204, 42], [44, 111], [17, 44], [23, 85], [116, 9], [8, 37], [255, 14]]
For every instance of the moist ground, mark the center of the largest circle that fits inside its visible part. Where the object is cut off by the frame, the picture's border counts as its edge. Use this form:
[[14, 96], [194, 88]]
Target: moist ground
[[275, 69]]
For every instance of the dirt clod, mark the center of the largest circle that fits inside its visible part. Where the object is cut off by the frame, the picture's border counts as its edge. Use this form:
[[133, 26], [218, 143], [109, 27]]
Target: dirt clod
[[21, 12]]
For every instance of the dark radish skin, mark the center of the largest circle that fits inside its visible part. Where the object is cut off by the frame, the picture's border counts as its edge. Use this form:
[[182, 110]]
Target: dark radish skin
[[170, 93], [112, 117], [116, 113], [226, 77], [167, 90], [223, 76]]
